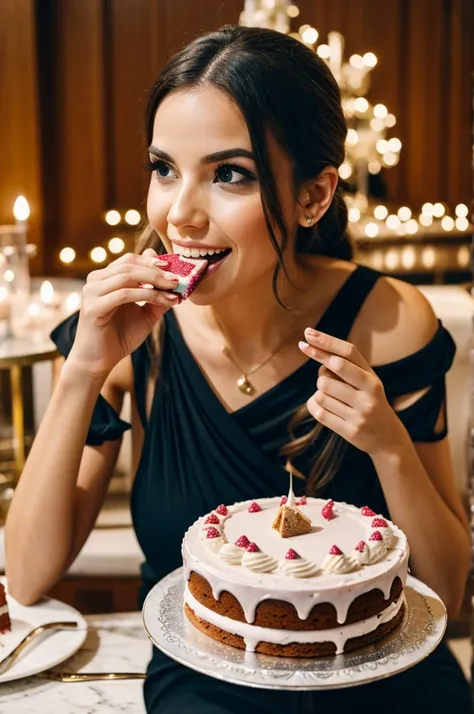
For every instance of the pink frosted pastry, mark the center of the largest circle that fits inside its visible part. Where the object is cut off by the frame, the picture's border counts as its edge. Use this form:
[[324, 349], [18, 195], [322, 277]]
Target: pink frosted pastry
[[188, 270]]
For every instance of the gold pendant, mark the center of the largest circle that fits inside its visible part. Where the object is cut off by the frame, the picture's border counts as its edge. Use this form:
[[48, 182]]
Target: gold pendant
[[245, 386]]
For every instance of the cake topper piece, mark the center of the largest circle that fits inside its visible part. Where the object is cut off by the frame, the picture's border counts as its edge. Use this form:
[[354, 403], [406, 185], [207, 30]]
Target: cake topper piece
[[366, 511], [289, 520]]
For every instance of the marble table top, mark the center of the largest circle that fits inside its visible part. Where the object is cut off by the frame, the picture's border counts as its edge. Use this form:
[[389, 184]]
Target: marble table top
[[115, 643]]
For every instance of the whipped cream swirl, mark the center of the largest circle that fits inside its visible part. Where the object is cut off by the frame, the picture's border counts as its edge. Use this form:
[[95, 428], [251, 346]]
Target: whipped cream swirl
[[259, 562], [231, 554], [388, 536], [339, 564], [299, 568], [215, 544], [361, 553], [377, 550]]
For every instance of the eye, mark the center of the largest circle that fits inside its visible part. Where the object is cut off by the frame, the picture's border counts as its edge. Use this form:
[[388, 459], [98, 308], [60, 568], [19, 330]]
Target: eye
[[161, 169], [227, 173]]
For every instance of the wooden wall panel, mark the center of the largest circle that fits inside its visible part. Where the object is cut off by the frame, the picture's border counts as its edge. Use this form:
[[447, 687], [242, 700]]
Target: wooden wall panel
[[82, 172], [20, 159]]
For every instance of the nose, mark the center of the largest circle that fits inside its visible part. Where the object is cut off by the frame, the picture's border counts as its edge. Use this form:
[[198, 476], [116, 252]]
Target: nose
[[188, 210]]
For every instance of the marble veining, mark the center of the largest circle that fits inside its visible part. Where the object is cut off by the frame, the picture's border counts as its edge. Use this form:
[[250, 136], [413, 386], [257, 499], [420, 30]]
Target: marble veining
[[115, 643]]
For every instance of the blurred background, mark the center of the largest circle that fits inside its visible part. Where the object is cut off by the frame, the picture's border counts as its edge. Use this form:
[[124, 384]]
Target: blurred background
[[74, 79]]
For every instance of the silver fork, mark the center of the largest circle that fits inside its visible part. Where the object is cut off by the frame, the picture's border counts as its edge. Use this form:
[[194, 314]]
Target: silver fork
[[7, 661]]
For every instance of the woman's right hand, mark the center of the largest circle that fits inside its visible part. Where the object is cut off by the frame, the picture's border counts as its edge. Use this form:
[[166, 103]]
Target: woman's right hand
[[111, 324]]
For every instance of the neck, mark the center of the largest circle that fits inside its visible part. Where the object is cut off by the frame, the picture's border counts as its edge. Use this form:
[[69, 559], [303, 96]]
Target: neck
[[253, 324]]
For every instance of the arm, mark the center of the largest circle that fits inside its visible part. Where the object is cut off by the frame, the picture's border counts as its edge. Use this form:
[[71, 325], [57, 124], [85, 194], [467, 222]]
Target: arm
[[61, 488], [417, 479], [63, 483]]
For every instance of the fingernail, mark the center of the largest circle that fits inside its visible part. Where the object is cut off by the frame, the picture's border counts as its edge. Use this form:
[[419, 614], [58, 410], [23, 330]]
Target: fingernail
[[172, 296], [303, 345], [312, 332], [172, 277], [160, 263]]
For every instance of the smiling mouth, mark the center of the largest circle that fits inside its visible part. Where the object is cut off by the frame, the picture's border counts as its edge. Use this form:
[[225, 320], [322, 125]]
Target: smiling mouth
[[212, 256]]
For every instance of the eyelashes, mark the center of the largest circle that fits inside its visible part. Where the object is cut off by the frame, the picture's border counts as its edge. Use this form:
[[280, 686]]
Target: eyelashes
[[159, 167]]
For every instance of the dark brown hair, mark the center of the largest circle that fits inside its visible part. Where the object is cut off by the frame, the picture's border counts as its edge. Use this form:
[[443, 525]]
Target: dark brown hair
[[282, 87]]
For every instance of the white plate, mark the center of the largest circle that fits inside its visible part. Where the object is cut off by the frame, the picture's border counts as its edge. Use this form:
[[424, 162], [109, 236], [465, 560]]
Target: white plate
[[49, 649], [418, 634]]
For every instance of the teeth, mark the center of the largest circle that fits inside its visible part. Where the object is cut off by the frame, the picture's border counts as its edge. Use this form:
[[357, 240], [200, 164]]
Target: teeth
[[196, 252]]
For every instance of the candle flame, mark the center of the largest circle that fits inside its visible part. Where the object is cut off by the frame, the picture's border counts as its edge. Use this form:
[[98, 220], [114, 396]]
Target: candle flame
[[47, 292], [21, 209], [73, 302]]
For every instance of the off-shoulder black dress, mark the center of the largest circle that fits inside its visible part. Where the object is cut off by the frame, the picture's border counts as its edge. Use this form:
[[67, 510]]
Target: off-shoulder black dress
[[197, 455]]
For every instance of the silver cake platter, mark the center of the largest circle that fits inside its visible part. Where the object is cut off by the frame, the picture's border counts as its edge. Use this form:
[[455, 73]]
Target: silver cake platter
[[418, 634]]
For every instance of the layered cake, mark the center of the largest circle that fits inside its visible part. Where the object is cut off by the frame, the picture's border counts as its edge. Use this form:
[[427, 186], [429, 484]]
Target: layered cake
[[5, 624], [294, 577]]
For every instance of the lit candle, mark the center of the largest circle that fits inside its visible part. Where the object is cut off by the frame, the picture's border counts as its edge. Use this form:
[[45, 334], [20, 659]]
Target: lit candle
[[21, 211], [336, 47], [72, 303]]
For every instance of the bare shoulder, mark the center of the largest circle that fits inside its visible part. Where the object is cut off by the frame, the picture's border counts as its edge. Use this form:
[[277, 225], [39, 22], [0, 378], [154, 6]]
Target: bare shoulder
[[395, 321]]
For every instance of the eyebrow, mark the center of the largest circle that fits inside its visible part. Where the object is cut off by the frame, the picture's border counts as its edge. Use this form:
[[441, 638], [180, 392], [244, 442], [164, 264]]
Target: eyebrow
[[209, 158]]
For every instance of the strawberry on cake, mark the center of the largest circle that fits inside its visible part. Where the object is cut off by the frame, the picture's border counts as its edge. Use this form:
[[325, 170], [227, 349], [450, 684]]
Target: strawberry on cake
[[258, 578]]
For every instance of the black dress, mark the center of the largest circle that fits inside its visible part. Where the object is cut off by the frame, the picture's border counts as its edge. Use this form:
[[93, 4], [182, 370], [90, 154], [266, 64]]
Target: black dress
[[196, 455]]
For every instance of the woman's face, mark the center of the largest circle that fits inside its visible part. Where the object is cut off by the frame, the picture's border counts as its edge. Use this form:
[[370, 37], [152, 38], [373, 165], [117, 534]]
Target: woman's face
[[204, 194]]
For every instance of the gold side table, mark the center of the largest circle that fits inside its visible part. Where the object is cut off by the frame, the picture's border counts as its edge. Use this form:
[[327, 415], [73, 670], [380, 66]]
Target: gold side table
[[15, 353]]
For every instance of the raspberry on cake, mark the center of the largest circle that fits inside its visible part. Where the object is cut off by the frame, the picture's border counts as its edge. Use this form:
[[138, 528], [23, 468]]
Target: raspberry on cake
[[326, 591]]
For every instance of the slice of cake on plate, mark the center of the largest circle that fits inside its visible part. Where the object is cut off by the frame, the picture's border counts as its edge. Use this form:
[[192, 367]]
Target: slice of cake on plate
[[5, 624]]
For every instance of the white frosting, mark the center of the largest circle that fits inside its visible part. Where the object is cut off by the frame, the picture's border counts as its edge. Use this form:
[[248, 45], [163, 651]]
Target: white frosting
[[215, 544], [377, 550], [299, 568], [347, 529], [206, 527], [362, 557], [388, 536], [341, 563], [231, 554], [3, 609], [253, 634], [259, 562]]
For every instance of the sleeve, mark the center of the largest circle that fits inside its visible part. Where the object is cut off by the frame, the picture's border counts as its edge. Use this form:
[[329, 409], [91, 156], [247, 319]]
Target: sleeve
[[423, 370], [106, 424]]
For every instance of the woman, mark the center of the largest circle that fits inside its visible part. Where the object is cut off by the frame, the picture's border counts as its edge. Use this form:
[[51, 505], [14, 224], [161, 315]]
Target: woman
[[246, 135]]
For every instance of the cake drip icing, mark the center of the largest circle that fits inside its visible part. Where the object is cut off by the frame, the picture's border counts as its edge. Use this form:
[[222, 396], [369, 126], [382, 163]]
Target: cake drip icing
[[253, 634]]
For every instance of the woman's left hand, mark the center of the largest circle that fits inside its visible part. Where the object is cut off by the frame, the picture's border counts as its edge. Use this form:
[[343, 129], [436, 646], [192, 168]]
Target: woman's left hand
[[350, 398]]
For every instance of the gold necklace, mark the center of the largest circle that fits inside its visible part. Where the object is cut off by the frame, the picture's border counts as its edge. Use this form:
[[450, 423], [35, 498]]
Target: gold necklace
[[243, 383]]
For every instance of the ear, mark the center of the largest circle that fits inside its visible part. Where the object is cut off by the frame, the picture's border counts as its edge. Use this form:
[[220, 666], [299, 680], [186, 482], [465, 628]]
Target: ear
[[315, 197]]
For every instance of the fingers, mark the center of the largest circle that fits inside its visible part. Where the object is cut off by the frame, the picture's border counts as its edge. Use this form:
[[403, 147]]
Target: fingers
[[337, 389], [330, 404], [124, 263], [343, 368], [131, 276], [106, 303], [335, 346]]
